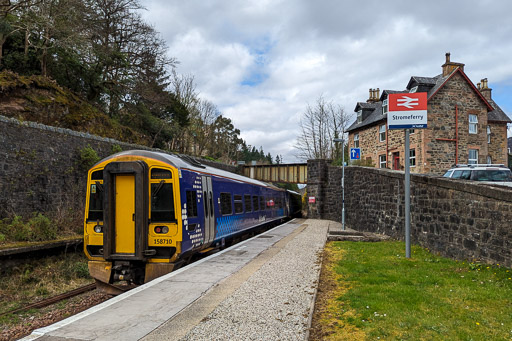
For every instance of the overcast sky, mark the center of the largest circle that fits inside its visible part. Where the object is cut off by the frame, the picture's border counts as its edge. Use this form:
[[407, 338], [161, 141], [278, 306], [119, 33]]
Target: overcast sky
[[262, 61]]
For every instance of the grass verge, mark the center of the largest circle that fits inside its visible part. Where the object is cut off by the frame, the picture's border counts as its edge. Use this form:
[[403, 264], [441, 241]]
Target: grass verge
[[376, 293], [38, 279]]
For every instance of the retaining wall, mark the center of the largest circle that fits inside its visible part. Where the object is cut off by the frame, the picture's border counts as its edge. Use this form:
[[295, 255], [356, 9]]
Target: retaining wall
[[458, 219], [41, 168]]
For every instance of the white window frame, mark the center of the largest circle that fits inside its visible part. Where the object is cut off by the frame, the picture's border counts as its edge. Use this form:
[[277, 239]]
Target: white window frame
[[412, 157], [413, 89], [382, 161], [473, 124], [356, 140], [360, 116], [382, 133], [385, 106], [488, 134], [474, 160]]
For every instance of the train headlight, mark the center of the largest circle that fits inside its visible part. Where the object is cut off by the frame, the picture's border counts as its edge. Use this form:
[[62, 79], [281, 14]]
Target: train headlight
[[98, 229], [161, 229]]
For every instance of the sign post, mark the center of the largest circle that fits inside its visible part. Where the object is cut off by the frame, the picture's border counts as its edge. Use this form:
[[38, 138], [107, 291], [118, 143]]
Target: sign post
[[407, 111]]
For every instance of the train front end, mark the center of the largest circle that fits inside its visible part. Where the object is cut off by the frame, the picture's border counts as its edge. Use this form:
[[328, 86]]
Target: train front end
[[132, 225]]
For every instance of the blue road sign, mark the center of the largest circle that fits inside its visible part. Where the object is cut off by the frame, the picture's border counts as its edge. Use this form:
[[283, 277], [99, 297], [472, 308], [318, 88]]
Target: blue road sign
[[355, 153]]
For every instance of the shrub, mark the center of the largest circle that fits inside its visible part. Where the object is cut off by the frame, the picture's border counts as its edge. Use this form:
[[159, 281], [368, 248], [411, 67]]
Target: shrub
[[116, 149], [88, 157], [18, 230], [42, 228]]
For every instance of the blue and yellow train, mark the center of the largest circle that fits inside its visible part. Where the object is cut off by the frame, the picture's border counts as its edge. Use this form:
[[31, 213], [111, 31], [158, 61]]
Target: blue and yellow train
[[148, 212]]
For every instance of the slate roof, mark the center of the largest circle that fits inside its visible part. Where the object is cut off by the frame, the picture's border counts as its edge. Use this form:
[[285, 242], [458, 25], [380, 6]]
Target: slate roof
[[496, 115]]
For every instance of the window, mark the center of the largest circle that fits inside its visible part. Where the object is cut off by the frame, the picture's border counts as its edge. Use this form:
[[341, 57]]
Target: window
[[255, 203], [96, 202], [248, 203], [412, 157], [157, 173], [382, 161], [473, 156], [356, 140], [385, 106], [413, 89], [461, 174], [411, 131], [239, 206], [192, 204], [489, 160], [262, 203], [162, 202], [360, 116], [473, 122], [488, 134], [382, 133], [225, 204]]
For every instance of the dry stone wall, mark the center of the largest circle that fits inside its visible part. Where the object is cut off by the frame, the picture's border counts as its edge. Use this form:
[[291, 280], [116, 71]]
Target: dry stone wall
[[458, 219]]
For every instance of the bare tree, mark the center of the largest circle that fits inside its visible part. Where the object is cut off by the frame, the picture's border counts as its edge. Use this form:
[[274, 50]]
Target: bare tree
[[319, 125]]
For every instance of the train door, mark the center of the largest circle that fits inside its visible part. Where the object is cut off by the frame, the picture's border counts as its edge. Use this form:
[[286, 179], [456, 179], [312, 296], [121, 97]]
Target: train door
[[124, 222], [125, 210], [209, 218]]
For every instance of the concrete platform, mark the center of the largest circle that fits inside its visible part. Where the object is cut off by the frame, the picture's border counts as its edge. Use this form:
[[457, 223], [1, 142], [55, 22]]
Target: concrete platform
[[176, 304]]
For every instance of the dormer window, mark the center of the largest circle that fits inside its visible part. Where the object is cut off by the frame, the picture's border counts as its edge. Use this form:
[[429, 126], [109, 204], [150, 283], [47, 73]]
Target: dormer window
[[385, 106], [413, 89], [360, 116]]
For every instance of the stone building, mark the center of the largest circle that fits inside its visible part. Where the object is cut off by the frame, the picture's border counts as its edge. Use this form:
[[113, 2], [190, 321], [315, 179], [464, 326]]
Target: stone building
[[465, 125]]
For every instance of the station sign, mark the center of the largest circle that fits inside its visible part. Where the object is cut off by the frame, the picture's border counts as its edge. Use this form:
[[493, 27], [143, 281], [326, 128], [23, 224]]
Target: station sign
[[407, 110], [355, 153]]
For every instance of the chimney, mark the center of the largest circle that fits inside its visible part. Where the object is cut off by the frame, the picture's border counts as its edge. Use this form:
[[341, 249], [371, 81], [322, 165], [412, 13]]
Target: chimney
[[485, 90], [374, 95], [449, 67]]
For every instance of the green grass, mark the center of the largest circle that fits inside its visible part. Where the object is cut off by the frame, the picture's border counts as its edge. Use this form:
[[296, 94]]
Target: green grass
[[426, 297]]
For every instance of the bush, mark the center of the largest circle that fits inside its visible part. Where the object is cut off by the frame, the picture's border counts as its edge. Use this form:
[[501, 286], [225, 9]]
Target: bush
[[88, 157], [116, 149], [18, 230], [42, 228]]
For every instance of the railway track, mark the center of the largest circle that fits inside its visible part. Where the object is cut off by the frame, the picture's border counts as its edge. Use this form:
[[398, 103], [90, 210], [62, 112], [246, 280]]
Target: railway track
[[54, 299]]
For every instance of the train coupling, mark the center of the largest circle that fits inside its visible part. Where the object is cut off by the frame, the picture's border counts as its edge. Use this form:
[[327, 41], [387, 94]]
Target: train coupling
[[123, 271]]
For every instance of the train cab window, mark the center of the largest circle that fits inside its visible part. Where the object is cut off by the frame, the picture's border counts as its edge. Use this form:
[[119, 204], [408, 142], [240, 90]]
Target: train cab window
[[255, 203], [248, 203], [162, 202], [225, 204], [97, 175], [192, 204], [96, 202], [262, 203], [239, 206]]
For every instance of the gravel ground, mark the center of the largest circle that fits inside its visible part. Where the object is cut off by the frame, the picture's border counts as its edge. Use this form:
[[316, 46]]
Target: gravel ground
[[275, 302]]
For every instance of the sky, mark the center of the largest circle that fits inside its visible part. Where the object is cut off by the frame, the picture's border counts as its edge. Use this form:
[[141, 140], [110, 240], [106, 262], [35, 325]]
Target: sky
[[261, 62]]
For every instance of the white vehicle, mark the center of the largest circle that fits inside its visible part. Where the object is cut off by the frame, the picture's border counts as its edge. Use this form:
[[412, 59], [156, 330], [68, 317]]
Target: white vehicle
[[487, 173]]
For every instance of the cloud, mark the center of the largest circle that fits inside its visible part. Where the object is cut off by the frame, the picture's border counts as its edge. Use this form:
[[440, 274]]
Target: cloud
[[262, 61]]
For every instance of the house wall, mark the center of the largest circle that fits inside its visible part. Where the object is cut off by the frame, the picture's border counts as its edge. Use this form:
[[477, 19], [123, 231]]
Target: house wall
[[458, 219]]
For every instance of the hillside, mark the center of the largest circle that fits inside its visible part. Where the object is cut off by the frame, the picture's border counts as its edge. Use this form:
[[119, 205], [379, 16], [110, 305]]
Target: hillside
[[40, 99]]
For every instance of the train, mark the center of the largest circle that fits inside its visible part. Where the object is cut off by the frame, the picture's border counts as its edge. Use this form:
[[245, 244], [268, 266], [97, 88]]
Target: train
[[148, 213]]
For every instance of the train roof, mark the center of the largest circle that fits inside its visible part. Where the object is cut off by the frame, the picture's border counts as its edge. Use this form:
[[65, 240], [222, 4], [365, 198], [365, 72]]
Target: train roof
[[186, 162]]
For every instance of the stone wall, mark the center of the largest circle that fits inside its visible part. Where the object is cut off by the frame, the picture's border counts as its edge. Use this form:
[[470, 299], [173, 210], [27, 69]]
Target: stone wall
[[42, 170], [457, 219]]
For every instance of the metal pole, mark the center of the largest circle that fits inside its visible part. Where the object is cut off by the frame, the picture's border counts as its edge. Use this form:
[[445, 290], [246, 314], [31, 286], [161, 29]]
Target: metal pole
[[407, 189], [343, 183]]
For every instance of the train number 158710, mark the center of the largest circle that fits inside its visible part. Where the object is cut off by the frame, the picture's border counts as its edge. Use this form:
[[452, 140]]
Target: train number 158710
[[162, 241]]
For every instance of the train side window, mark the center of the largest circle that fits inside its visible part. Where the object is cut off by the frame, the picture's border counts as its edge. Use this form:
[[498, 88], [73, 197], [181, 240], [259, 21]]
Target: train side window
[[162, 202], [96, 202], [262, 203], [192, 204], [225, 204], [239, 206], [248, 203], [255, 203]]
